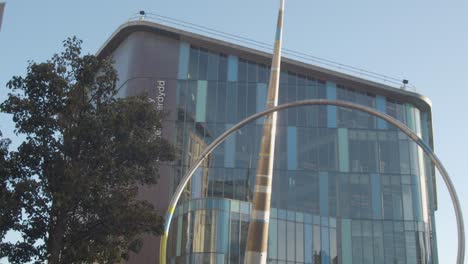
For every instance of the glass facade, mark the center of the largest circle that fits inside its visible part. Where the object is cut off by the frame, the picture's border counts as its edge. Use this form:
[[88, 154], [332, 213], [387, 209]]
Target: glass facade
[[347, 188]]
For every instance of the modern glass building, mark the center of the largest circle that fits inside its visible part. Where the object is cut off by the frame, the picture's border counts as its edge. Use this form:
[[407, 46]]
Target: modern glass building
[[347, 188]]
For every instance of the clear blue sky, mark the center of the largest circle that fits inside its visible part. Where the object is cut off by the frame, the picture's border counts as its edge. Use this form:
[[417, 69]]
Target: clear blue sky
[[425, 41]]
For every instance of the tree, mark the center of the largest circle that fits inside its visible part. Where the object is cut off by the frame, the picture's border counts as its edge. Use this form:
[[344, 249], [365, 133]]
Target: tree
[[7, 201], [72, 185]]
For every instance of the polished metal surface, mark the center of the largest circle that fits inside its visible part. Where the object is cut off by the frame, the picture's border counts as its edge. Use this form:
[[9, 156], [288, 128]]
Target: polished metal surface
[[2, 9], [257, 234], [374, 112]]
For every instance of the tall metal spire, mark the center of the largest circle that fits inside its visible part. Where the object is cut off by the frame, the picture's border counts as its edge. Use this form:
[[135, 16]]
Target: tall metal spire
[[257, 238], [2, 8]]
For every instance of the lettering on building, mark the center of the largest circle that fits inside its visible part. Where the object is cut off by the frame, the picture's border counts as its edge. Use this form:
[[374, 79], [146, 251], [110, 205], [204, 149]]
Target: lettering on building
[[160, 99]]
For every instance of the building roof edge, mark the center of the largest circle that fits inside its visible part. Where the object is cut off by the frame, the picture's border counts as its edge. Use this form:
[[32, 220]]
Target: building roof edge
[[129, 27]]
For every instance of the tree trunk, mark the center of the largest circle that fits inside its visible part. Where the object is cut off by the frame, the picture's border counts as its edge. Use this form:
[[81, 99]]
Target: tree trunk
[[55, 243]]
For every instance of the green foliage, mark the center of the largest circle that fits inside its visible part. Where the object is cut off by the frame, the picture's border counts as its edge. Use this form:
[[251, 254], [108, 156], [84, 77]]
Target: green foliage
[[71, 188]]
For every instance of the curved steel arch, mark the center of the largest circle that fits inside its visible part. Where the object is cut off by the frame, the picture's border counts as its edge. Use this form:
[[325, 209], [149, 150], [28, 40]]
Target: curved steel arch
[[389, 119]]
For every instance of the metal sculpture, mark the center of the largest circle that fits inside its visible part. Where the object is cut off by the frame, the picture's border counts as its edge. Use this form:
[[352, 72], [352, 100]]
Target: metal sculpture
[[389, 119], [257, 234]]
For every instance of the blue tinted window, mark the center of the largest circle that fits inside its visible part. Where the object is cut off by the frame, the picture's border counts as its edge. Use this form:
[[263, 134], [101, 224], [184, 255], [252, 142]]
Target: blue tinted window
[[392, 197], [389, 253], [331, 110], [233, 62], [211, 101], [261, 100], [202, 87], [263, 72], [251, 72], [290, 241], [317, 251], [389, 152], [381, 105], [367, 244], [308, 240], [213, 66], [251, 99], [242, 71], [411, 252], [327, 149], [323, 193], [343, 149], [273, 239], [333, 246], [378, 243], [203, 65], [299, 242], [292, 148], [193, 63], [325, 246], [244, 229], [308, 149], [231, 103], [292, 97], [346, 245], [184, 53], [399, 242], [234, 246], [362, 151], [241, 101], [282, 243], [221, 94], [376, 196], [223, 68], [307, 191]]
